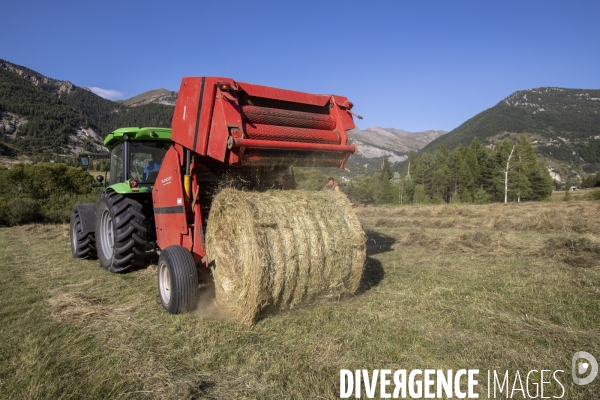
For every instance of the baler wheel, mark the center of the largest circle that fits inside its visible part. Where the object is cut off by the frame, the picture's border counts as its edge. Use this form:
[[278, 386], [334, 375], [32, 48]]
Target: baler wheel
[[177, 280], [120, 232], [83, 245]]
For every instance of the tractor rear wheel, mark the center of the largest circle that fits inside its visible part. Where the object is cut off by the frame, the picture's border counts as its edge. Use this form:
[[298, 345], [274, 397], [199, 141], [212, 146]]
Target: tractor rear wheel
[[83, 245], [120, 232], [177, 280]]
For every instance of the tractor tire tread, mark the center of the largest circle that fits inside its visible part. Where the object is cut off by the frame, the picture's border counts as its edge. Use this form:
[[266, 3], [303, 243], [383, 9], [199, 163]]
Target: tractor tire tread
[[85, 246], [129, 224], [184, 278]]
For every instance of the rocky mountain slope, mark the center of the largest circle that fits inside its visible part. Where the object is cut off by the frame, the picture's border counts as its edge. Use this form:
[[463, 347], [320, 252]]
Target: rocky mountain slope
[[394, 143], [156, 96]]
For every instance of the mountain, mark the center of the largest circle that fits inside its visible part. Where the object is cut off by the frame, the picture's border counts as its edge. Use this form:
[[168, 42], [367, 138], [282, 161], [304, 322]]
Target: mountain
[[53, 86], [156, 96], [562, 124], [41, 116], [394, 143]]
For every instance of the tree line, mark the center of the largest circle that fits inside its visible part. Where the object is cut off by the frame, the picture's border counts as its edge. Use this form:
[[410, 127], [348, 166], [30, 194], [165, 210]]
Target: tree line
[[473, 174]]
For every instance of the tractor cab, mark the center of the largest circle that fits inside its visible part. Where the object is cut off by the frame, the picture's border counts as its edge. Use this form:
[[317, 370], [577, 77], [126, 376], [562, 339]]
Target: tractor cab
[[136, 155], [140, 162]]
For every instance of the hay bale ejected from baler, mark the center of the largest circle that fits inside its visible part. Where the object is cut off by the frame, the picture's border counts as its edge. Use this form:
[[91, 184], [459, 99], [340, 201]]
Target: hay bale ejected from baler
[[274, 250]]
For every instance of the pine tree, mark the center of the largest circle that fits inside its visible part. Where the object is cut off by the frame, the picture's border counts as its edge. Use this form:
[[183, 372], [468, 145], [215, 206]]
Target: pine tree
[[461, 180], [473, 165], [419, 196], [541, 183], [385, 192]]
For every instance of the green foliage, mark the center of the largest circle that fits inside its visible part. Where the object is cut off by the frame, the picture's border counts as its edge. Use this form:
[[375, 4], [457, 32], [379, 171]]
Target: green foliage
[[568, 191], [419, 196], [591, 180], [464, 175], [42, 192], [310, 178], [481, 196], [21, 210], [406, 187], [595, 195], [363, 190], [384, 193]]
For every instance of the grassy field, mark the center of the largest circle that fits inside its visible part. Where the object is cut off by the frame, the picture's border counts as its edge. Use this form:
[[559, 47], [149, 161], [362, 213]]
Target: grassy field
[[493, 287], [574, 195]]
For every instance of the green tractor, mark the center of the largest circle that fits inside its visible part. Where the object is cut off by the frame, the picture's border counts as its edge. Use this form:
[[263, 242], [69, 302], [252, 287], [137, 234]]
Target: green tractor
[[119, 228]]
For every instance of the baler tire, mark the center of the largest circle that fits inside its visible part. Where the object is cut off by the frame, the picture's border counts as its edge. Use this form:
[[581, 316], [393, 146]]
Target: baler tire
[[177, 280], [120, 232], [83, 245]]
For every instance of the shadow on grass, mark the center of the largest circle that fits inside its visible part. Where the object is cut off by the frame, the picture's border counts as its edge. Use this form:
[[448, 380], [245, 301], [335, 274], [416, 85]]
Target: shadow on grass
[[150, 258], [377, 242], [199, 389], [374, 273]]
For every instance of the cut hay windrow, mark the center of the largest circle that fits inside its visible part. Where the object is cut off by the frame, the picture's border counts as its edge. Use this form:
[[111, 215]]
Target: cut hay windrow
[[274, 250]]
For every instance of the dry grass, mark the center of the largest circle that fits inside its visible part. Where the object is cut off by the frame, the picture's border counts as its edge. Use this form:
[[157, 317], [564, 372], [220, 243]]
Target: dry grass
[[274, 250], [513, 287]]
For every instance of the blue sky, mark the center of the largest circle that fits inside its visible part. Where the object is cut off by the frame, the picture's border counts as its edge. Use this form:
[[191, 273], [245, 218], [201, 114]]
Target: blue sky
[[412, 65]]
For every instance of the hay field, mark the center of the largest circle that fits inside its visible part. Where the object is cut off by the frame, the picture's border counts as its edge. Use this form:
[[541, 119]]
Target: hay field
[[575, 195], [500, 287]]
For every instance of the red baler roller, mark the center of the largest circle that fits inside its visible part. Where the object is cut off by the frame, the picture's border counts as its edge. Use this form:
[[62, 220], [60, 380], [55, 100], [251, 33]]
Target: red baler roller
[[290, 134], [275, 116]]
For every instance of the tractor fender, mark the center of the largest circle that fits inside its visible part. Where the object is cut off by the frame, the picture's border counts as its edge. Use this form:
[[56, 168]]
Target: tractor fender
[[87, 214]]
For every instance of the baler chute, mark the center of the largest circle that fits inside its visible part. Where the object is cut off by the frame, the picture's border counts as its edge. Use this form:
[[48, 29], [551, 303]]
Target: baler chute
[[235, 122]]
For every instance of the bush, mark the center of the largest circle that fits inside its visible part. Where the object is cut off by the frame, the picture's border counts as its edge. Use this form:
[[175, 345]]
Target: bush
[[22, 211], [481, 196], [3, 216], [43, 192], [58, 209], [437, 199], [595, 195]]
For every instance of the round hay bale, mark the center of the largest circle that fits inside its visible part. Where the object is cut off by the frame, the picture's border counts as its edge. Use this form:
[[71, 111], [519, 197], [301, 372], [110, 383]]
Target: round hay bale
[[274, 250]]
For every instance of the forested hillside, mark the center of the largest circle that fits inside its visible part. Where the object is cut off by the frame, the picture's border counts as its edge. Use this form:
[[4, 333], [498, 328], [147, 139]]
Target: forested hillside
[[562, 124], [40, 115], [36, 118]]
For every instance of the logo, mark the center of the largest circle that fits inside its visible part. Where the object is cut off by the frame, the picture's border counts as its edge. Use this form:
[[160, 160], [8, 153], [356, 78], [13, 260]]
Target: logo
[[580, 367], [166, 180]]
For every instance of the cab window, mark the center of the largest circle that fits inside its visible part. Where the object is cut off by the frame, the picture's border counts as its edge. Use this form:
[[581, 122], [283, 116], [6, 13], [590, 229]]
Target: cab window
[[116, 164], [145, 160]]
